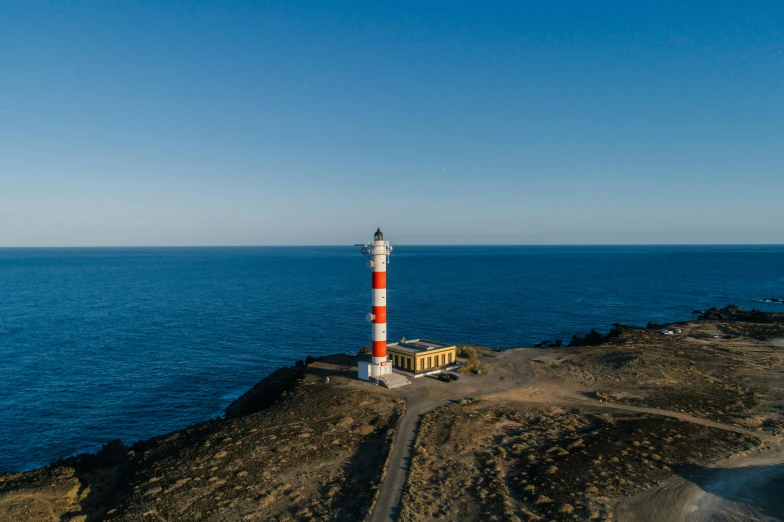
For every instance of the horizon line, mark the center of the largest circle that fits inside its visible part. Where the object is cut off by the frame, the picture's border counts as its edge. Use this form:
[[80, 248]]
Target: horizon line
[[18, 247]]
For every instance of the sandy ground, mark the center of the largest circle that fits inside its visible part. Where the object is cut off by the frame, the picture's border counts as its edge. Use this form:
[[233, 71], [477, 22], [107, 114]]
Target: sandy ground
[[743, 489], [746, 489]]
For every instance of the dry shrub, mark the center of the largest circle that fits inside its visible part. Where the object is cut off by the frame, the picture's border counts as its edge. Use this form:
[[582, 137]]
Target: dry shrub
[[473, 366], [467, 352]]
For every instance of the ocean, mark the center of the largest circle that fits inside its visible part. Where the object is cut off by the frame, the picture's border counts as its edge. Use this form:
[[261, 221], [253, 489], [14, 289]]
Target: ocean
[[128, 343]]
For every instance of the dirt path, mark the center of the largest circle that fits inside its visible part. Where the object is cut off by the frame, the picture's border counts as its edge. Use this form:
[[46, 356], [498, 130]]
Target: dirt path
[[510, 369], [387, 505], [539, 396], [745, 490]]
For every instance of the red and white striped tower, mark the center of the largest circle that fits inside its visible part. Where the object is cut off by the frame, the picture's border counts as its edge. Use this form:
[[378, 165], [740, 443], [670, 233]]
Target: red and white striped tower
[[377, 253]]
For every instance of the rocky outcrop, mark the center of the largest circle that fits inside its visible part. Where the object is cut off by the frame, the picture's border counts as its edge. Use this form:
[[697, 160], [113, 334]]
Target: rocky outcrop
[[736, 313], [594, 338]]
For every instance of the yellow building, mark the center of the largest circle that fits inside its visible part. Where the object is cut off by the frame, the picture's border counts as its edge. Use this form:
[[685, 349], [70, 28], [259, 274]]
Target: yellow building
[[420, 357]]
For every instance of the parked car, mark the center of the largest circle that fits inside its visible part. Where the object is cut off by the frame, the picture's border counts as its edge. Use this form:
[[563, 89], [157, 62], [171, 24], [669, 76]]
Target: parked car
[[443, 377], [677, 330], [453, 376], [664, 331], [351, 354], [715, 336]]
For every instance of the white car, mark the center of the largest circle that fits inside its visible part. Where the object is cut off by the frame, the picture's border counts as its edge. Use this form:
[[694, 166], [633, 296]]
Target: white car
[[664, 331], [351, 354], [677, 330], [715, 336]]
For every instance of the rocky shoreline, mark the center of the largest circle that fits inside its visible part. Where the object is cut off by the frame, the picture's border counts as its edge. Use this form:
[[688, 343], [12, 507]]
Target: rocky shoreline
[[296, 448]]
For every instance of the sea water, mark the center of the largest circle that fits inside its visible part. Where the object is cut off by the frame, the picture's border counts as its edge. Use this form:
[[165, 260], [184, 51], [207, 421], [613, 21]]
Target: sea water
[[100, 344]]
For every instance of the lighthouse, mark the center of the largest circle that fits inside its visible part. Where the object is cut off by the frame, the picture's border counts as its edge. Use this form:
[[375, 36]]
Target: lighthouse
[[414, 358], [377, 252]]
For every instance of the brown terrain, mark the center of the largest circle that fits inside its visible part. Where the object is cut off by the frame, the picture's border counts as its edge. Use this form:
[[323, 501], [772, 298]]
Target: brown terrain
[[633, 425], [317, 453]]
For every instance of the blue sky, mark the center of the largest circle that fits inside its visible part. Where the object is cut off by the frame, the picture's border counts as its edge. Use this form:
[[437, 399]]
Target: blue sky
[[212, 123]]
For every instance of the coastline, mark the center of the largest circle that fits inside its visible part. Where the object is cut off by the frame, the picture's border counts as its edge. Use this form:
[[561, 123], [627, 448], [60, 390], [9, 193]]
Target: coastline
[[361, 424], [269, 389]]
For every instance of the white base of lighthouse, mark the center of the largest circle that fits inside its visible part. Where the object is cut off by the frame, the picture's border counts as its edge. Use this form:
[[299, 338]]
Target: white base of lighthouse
[[372, 372]]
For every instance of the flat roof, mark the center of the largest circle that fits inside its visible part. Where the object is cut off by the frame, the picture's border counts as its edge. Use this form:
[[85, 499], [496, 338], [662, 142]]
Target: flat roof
[[416, 346]]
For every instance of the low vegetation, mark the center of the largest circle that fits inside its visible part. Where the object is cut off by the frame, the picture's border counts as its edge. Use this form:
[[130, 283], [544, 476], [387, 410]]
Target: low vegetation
[[472, 365], [532, 463]]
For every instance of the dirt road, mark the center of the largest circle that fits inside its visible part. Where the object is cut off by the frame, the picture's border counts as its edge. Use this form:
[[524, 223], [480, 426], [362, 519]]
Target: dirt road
[[509, 369], [540, 396], [707, 494]]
